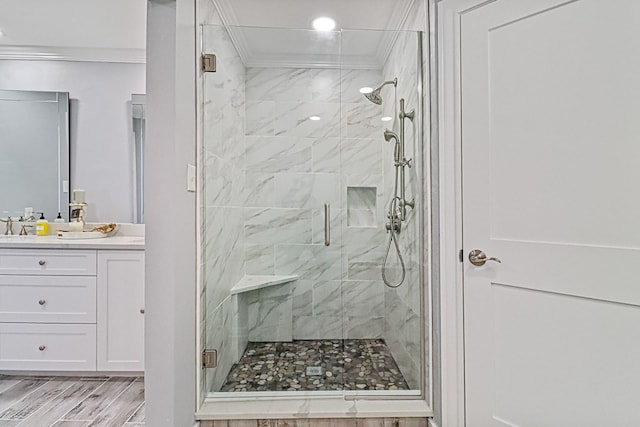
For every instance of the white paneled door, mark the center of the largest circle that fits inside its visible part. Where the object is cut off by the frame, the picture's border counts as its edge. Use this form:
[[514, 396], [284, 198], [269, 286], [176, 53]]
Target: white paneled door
[[550, 136]]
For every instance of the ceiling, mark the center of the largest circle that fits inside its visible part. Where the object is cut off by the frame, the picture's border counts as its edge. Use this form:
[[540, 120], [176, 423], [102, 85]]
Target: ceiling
[[73, 29], [348, 14], [115, 30], [279, 32]]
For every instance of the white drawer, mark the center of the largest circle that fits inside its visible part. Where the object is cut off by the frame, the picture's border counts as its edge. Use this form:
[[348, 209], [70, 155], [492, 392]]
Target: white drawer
[[48, 262], [48, 299], [55, 347]]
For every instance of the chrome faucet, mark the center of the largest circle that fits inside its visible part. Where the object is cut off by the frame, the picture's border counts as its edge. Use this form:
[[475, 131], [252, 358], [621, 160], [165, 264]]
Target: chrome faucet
[[9, 229], [23, 230]]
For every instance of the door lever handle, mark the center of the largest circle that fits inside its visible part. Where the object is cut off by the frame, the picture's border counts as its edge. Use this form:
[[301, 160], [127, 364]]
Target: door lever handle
[[478, 258]]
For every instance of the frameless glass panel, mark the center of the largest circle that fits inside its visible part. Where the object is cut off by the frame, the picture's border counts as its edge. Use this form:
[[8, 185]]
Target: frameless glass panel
[[382, 188], [303, 187], [272, 256]]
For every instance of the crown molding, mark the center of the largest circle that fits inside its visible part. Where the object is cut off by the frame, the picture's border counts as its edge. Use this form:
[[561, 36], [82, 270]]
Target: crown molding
[[249, 58], [397, 22], [80, 54]]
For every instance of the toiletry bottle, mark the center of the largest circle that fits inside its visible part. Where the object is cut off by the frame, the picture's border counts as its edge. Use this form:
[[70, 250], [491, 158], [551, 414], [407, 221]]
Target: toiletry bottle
[[59, 218], [42, 226]]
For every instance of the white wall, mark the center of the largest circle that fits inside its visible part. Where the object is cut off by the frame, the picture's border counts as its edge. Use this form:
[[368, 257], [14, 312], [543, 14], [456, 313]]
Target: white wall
[[101, 141], [171, 260]]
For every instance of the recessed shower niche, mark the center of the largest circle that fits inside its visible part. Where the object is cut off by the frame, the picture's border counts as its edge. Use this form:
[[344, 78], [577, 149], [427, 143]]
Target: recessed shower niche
[[361, 207], [300, 181]]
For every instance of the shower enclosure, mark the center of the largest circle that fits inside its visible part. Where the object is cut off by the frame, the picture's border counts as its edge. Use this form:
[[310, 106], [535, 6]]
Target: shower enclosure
[[312, 182]]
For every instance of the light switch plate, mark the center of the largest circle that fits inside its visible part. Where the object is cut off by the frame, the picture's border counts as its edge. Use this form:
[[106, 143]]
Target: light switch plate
[[191, 178]]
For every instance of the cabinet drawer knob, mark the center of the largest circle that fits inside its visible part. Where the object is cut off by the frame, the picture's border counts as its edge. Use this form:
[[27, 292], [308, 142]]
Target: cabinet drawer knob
[[42, 262], [142, 311], [42, 301], [42, 347]]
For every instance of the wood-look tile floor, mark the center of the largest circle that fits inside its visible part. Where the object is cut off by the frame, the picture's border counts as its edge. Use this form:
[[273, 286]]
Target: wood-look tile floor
[[71, 401]]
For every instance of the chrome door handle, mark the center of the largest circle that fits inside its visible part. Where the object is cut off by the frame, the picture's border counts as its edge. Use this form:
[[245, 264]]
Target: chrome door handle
[[478, 258], [327, 224]]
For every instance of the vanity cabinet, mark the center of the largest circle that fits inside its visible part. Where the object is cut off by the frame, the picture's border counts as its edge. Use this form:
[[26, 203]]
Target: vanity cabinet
[[120, 311], [71, 310]]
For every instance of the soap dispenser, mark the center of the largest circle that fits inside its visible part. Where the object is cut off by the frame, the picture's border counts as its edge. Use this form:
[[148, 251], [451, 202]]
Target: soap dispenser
[[42, 226]]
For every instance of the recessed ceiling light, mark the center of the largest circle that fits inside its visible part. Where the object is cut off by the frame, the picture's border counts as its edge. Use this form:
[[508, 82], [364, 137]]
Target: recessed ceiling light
[[386, 119], [314, 118], [366, 89], [324, 24]]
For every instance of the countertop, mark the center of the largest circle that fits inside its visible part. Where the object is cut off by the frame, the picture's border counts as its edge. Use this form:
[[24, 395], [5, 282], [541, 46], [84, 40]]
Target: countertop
[[52, 242]]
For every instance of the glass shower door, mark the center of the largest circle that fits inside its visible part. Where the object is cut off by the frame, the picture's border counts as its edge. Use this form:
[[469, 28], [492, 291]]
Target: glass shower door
[[304, 180], [271, 209]]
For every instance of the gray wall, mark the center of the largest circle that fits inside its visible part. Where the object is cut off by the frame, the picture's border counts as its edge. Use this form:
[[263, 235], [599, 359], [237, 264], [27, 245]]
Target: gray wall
[[171, 259], [100, 129]]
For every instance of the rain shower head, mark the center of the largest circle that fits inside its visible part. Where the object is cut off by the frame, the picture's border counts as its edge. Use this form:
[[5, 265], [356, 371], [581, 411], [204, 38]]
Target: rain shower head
[[374, 95]]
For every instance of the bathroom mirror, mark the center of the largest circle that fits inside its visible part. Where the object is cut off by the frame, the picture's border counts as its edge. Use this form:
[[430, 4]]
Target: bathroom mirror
[[138, 102], [34, 153]]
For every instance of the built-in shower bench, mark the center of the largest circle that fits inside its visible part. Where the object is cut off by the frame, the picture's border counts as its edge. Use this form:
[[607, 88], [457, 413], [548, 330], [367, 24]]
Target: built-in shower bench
[[252, 283], [262, 310]]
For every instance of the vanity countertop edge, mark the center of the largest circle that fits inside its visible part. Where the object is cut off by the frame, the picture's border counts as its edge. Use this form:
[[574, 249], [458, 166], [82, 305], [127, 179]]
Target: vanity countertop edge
[[52, 242]]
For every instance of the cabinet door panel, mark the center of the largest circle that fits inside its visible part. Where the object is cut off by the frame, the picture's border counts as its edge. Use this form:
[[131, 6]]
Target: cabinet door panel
[[120, 311]]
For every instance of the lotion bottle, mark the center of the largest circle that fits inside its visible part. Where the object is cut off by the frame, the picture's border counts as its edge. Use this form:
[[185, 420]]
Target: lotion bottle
[[42, 226]]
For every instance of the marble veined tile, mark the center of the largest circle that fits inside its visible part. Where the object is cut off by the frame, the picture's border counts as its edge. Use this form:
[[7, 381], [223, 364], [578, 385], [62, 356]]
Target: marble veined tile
[[277, 154], [327, 298], [326, 155], [362, 156], [303, 298], [325, 85], [259, 189], [364, 327], [278, 84], [259, 259], [260, 118], [270, 318], [293, 119], [309, 262], [224, 182], [277, 226], [363, 298], [364, 121], [306, 190]]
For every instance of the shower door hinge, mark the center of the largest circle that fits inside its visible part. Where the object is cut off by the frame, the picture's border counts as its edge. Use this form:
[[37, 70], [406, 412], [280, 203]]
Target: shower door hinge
[[209, 358], [461, 255], [209, 62]]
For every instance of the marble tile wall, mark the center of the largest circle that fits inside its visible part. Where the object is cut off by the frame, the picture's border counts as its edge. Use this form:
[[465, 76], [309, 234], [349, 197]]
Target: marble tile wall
[[402, 328], [269, 171], [296, 165], [223, 243]]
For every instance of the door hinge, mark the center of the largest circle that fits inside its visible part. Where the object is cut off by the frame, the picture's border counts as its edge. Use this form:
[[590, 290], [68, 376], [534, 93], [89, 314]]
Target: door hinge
[[461, 255], [209, 62], [209, 358]]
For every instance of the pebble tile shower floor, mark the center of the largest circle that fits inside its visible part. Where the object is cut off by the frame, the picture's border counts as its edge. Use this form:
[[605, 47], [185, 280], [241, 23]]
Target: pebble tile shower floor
[[344, 365]]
